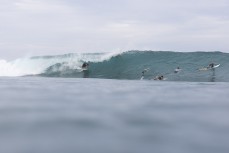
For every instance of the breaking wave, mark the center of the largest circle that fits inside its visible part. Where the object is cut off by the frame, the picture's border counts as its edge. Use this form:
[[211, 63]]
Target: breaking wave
[[123, 65]]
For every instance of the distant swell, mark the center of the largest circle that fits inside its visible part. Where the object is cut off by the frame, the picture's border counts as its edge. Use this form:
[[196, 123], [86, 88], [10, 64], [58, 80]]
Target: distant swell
[[125, 65]]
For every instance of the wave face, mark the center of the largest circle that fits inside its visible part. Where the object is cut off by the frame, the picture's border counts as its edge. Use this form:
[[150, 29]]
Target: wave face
[[126, 65]]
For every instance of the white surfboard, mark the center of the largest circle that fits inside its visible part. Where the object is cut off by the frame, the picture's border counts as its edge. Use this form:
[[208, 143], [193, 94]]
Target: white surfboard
[[209, 68], [177, 70], [83, 69], [216, 66]]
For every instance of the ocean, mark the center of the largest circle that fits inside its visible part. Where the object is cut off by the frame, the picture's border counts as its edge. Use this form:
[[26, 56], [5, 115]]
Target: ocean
[[123, 65], [48, 104]]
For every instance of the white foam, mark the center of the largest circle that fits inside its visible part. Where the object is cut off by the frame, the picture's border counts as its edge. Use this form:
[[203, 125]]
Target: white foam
[[108, 56], [20, 67], [33, 66]]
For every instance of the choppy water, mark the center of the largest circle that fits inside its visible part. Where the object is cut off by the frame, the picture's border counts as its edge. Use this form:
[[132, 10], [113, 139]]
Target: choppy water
[[44, 115]]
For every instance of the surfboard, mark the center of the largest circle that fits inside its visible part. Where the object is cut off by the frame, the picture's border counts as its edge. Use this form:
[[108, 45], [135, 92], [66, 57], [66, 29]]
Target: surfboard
[[83, 69], [177, 70], [209, 68], [216, 66]]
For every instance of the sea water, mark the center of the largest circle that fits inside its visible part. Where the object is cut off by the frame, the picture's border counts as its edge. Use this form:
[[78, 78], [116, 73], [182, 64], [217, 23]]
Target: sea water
[[86, 115], [125, 65]]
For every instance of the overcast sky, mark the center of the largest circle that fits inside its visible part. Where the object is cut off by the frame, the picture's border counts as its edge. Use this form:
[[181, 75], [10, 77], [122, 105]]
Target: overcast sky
[[47, 27]]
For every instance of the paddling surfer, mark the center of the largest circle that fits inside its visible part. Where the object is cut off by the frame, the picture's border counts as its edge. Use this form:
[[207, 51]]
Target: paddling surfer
[[159, 77], [177, 69]]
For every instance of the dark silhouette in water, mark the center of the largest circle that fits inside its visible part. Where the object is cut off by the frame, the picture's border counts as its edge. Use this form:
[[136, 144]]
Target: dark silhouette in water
[[211, 65], [159, 77], [85, 65]]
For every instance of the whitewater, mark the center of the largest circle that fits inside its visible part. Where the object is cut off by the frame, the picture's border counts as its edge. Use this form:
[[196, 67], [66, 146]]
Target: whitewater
[[123, 65], [39, 64]]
